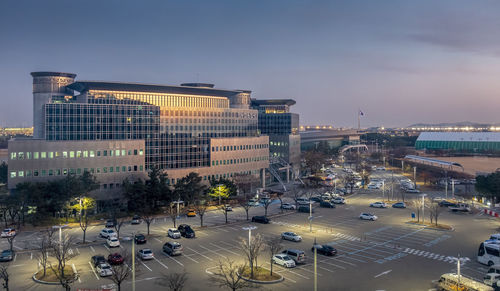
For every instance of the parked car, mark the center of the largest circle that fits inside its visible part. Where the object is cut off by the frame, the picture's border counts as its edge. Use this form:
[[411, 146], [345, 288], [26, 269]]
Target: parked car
[[172, 248], [6, 256], [136, 219], [106, 233], [145, 254], [324, 250], [381, 169], [297, 256], [283, 260], [97, 259], [115, 259], [302, 200], [445, 203], [316, 199], [140, 239], [412, 191], [229, 208], [104, 270], [253, 202], [399, 205], [305, 209], [110, 223], [326, 204], [368, 216], [260, 219], [338, 200], [378, 205], [173, 233], [113, 242], [186, 231], [291, 236], [288, 206], [460, 207], [8, 232], [191, 213]]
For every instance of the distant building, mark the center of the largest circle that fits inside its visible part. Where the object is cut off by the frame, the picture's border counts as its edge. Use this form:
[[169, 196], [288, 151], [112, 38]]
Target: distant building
[[282, 127], [333, 138], [193, 127], [459, 141]]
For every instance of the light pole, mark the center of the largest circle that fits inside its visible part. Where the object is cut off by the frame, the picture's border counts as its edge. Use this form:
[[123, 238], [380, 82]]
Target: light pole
[[249, 228], [383, 191], [315, 268], [423, 207], [403, 166], [310, 216], [133, 262], [452, 188], [60, 233], [415, 176], [392, 184]]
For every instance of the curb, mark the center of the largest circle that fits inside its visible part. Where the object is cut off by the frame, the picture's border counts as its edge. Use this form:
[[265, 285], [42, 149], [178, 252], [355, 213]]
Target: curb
[[262, 282], [432, 228], [44, 282]]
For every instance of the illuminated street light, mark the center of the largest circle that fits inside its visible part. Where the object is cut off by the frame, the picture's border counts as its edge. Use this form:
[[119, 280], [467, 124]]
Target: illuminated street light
[[249, 228]]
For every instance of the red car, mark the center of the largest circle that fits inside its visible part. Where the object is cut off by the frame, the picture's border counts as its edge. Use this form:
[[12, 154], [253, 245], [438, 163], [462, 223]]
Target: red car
[[115, 259]]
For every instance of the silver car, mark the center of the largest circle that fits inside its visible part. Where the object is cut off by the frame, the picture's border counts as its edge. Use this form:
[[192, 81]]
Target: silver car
[[174, 233], [145, 254], [292, 236], [173, 248]]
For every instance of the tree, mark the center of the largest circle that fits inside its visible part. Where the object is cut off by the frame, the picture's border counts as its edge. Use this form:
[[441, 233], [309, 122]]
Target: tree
[[349, 181], [280, 197], [4, 275], [220, 192], [244, 202], [174, 281], [252, 250], [223, 209], [11, 239], [274, 246], [156, 187], [230, 185], [121, 272], [45, 245], [147, 215], [85, 204], [118, 225], [416, 205], [134, 193], [266, 203], [434, 210], [227, 275], [63, 254], [3, 173], [314, 160], [489, 186], [200, 206], [296, 194], [189, 188], [171, 211]]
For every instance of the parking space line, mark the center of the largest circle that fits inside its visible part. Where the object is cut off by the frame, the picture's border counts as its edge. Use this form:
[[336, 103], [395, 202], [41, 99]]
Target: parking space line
[[222, 249], [109, 250], [209, 250], [332, 264], [92, 267], [326, 269], [145, 265], [304, 268], [157, 239], [168, 256], [200, 254], [189, 257], [92, 248], [159, 262]]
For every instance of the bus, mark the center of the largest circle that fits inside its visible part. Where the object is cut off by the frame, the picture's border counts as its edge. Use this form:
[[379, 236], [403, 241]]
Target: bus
[[489, 253]]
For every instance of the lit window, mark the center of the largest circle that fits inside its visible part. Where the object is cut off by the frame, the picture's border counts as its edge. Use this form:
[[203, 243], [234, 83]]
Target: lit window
[[65, 172], [124, 153], [85, 154], [117, 153], [71, 154], [78, 154], [13, 174], [141, 152], [28, 155], [20, 155], [51, 155], [13, 156], [92, 154], [111, 152], [65, 155], [43, 155], [35, 155]]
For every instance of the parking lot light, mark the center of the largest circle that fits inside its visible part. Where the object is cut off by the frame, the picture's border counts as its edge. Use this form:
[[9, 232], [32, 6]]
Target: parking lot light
[[249, 228]]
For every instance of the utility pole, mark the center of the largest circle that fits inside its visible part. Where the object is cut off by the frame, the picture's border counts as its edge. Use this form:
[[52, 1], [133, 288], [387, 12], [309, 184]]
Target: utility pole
[[315, 267], [310, 216], [133, 261], [415, 176]]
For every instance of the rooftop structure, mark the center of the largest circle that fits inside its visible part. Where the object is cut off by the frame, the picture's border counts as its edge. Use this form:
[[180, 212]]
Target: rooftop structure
[[459, 141]]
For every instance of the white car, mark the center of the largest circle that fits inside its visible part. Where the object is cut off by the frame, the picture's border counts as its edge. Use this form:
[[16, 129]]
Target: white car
[[291, 236], [373, 186], [302, 201], [174, 233], [113, 242], [8, 232], [338, 200], [107, 233], [283, 260], [288, 206], [381, 169], [368, 216], [145, 254], [104, 270], [378, 205]]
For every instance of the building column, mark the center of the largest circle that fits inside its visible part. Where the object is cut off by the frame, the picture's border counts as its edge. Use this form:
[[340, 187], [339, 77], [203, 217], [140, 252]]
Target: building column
[[263, 177]]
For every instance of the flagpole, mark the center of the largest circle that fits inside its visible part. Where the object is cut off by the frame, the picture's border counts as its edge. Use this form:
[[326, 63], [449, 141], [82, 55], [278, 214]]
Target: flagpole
[[359, 119]]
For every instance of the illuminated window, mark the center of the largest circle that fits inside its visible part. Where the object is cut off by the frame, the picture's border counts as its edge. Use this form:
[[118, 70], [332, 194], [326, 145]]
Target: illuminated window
[[21, 174], [13, 156], [36, 155], [92, 154], [141, 152], [65, 155], [117, 153], [28, 155], [51, 155], [65, 172], [85, 154], [78, 154], [71, 154], [124, 153], [43, 155]]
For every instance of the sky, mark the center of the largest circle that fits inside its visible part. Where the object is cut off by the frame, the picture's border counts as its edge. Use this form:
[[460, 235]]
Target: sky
[[400, 62]]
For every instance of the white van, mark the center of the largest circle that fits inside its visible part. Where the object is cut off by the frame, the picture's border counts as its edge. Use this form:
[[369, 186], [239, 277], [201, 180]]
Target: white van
[[491, 279], [450, 281]]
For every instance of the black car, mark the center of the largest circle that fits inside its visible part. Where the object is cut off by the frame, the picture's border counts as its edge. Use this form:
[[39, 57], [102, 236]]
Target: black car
[[326, 204], [260, 219], [98, 259], [6, 256], [316, 199], [305, 209], [445, 203], [186, 231], [136, 219], [324, 249], [140, 239]]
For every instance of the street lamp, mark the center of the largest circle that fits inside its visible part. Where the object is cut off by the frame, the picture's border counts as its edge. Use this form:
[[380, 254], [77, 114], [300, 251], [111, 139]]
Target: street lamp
[[415, 176], [60, 233], [423, 207], [249, 228], [310, 216], [383, 191]]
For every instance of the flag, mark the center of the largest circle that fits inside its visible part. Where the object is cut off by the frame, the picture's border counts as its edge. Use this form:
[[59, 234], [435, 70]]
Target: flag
[[361, 113]]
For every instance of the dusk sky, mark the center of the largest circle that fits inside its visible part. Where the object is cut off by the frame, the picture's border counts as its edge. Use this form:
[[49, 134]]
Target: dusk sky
[[400, 62]]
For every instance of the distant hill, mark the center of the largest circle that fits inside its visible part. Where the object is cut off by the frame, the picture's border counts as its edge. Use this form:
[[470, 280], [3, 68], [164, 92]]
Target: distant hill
[[454, 124]]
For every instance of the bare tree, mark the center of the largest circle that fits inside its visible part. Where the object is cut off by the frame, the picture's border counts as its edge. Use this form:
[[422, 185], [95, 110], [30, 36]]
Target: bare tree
[[84, 206], [44, 247], [172, 213], [252, 250], [4, 275], [434, 210], [266, 204], [296, 194], [222, 208], [122, 271], [274, 246], [245, 203], [416, 206], [280, 195], [62, 252], [118, 225], [200, 206], [174, 281], [147, 216], [11, 239], [228, 275]]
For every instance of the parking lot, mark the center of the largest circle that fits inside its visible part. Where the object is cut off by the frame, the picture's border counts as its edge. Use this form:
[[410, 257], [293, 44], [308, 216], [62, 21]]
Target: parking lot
[[386, 254]]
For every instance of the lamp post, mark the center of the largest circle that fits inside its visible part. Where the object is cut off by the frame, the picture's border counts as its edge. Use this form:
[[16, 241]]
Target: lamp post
[[60, 233], [133, 261], [249, 228], [310, 216], [415, 176], [383, 191], [423, 207], [315, 268], [452, 188]]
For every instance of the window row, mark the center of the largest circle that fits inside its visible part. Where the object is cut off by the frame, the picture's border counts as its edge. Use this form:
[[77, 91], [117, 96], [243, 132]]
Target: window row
[[239, 147], [218, 176], [78, 171], [74, 154], [239, 161]]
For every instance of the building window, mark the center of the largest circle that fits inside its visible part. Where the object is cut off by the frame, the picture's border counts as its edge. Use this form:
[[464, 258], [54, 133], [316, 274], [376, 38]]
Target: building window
[[98, 153], [117, 169], [85, 154], [141, 168], [117, 153], [92, 154], [111, 152], [20, 155], [35, 155], [51, 155], [44, 173], [135, 153], [28, 155], [124, 169], [124, 153], [135, 168], [13, 156], [35, 173], [65, 155], [71, 154], [111, 169], [78, 154], [51, 172], [65, 172], [98, 170], [28, 173], [58, 172], [105, 169], [13, 174], [141, 152], [105, 153], [129, 168]]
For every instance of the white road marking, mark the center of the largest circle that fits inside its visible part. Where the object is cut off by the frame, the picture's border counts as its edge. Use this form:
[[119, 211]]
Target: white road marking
[[200, 254], [189, 257], [158, 240], [92, 248], [74, 271], [209, 250], [383, 273], [159, 262], [31, 256], [145, 265], [77, 250], [173, 259], [221, 249], [106, 247], [92, 267], [15, 257]]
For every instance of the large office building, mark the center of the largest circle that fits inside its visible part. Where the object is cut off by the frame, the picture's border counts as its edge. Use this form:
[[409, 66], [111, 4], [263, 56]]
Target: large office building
[[282, 127], [193, 127]]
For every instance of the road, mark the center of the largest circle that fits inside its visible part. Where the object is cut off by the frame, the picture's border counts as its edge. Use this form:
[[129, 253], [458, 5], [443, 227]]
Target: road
[[387, 254]]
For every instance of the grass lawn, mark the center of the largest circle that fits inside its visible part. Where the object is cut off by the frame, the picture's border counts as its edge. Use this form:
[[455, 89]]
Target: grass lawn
[[50, 276]]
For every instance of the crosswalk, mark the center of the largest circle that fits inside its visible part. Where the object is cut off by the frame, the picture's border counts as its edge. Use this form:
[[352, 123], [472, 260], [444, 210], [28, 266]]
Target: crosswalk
[[434, 256], [347, 237]]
